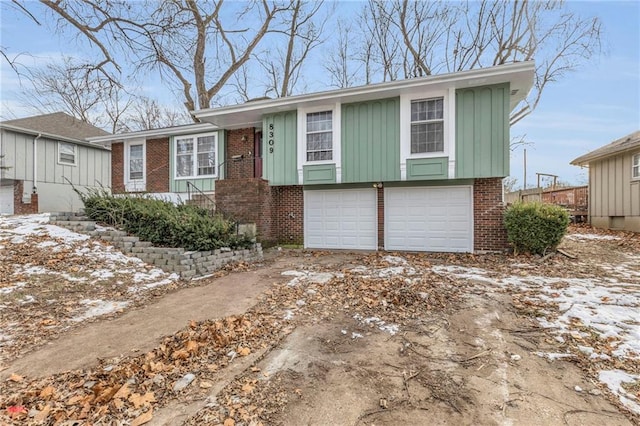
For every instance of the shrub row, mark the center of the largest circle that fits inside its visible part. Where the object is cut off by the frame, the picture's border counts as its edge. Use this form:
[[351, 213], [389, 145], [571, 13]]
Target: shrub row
[[535, 227], [164, 223]]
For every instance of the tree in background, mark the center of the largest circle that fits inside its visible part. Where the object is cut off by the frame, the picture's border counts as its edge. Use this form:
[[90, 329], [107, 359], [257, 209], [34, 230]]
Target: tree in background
[[199, 48], [424, 38]]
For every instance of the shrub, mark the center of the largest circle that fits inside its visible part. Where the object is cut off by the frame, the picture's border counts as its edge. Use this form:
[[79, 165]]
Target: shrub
[[163, 223], [535, 227]]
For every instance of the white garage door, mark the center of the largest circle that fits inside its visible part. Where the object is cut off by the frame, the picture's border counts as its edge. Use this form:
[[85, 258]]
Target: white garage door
[[429, 219], [340, 219], [6, 199]]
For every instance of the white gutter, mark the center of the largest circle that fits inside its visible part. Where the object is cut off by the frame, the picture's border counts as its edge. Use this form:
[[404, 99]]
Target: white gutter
[[18, 129], [166, 131], [35, 163]]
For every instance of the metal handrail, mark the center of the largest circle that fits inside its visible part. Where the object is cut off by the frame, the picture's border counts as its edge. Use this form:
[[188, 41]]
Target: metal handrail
[[241, 159], [192, 187]]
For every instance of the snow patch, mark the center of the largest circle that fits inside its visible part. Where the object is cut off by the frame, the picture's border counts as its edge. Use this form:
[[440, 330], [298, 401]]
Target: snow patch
[[98, 308], [377, 322], [578, 237], [614, 380]]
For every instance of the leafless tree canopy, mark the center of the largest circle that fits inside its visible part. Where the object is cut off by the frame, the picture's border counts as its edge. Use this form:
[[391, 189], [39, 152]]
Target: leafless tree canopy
[[201, 47], [406, 39]]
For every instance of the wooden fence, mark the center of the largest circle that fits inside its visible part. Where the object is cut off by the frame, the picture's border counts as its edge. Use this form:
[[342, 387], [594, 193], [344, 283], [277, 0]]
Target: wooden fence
[[574, 198]]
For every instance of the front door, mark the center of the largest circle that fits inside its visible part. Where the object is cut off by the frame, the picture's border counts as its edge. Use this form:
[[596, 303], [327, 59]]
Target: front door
[[134, 168], [257, 155]]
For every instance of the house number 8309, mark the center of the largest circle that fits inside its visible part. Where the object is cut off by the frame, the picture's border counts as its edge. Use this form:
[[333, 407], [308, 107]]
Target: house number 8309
[[270, 141]]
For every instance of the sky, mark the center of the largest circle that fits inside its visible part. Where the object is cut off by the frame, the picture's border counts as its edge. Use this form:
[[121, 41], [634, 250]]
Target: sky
[[592, 106]]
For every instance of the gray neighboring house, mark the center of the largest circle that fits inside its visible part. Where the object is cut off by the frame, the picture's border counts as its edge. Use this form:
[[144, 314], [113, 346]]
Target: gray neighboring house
[[614, 184], [42, 156]]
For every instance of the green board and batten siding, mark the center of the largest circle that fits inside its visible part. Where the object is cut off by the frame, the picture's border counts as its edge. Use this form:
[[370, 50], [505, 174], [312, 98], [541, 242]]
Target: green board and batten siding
[[427, 168], [482, 132], [371, 141], [279, 151], [204, 184]]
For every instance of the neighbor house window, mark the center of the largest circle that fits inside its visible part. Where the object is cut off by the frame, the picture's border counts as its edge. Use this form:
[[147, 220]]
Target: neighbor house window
[[320, 136], [635, 166], [196, 156], [427, 126], [66, 153], [136, 162]]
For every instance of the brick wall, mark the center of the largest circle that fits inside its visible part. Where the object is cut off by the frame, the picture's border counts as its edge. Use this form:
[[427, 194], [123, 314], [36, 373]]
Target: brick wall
[[248, 201], [158, 165], [380, 218], [289, 214], [18, 206], [240, 168], [117, 168], [489, 231]]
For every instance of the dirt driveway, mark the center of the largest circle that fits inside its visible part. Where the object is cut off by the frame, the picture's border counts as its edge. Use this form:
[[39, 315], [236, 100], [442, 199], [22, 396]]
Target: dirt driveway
[[338, 338]]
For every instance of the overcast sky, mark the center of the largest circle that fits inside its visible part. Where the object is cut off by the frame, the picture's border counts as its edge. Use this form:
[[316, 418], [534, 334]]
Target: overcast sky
[[593, 106]]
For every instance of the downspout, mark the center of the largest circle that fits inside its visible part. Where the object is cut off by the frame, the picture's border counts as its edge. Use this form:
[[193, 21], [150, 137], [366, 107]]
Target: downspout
[[35, 163]]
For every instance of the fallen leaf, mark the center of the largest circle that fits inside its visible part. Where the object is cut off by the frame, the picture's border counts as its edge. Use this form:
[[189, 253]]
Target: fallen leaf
[[180, 354], [143, 418], [206, 385], [47, 392], [16, 409], [243, 351], [229, 422], [43, 414], [247, 388], [15, 378], [191, 346], [139, 400], [123, 392]]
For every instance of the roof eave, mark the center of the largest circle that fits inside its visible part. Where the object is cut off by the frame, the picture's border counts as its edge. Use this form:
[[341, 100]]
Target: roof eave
[[166, 131], [470, 78], [18, 129]]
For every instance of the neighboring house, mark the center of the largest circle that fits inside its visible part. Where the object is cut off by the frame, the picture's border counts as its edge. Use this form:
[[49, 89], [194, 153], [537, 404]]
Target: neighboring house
[[614, 184], [44, 155], [405, 165]]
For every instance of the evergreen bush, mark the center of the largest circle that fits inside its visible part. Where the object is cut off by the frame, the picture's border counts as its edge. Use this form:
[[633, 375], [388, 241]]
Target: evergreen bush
[[535, 227], [163, 223]]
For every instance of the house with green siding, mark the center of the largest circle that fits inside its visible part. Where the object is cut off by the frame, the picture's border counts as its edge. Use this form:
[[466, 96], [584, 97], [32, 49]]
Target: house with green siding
[[414, 165]]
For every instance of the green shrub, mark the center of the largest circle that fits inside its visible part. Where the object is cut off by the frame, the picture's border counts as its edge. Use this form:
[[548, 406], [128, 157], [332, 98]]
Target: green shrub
[[163, 223], [535, 227]]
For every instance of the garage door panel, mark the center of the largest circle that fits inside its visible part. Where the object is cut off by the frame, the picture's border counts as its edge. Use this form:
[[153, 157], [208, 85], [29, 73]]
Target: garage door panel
[[429, 219], [340, 219]]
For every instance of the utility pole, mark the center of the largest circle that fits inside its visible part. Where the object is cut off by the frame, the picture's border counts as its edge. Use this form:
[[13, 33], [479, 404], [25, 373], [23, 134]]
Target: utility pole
[[525, 168]]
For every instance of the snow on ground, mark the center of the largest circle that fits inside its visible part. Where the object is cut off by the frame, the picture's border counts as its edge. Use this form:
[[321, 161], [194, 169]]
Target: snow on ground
[[608, 306], [96, 308], [578, 237], [96, 262]]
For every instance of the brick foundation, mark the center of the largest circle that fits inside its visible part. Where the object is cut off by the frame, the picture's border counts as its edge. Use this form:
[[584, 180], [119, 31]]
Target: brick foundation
[[380, 204], [117, 168], [289, 214], [248, 201], [20, 207], [488, 227]]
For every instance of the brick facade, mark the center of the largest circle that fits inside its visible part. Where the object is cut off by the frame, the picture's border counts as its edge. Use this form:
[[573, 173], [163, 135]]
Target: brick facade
[[117, 168], [248, 201], [380, 205], [488, 227], [157, 153], [289, 214], [243, 166], [19, 207], [157, 166], [277, 211]]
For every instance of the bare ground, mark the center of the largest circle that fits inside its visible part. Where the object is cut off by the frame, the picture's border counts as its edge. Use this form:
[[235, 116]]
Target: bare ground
[[464, 351]]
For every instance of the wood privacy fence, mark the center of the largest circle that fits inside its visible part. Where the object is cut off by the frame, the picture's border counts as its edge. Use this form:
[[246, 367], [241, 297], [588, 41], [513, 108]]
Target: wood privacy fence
[[574, 198]]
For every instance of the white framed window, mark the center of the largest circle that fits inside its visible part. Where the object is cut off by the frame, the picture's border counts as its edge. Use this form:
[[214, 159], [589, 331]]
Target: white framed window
[[195, 156], [319, 136], [135, 165], [136, 162], [635, 166], [427, 125], [67, 153]]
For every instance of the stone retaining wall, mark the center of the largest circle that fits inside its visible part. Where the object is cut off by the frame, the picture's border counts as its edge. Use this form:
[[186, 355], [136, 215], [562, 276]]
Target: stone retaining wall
[[187, 264]]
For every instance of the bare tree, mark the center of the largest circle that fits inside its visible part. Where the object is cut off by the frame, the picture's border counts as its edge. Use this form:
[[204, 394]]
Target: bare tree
[[302, 31], [147, 114], [70, 86], [196, 45], [340, 61], [442, 36]]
